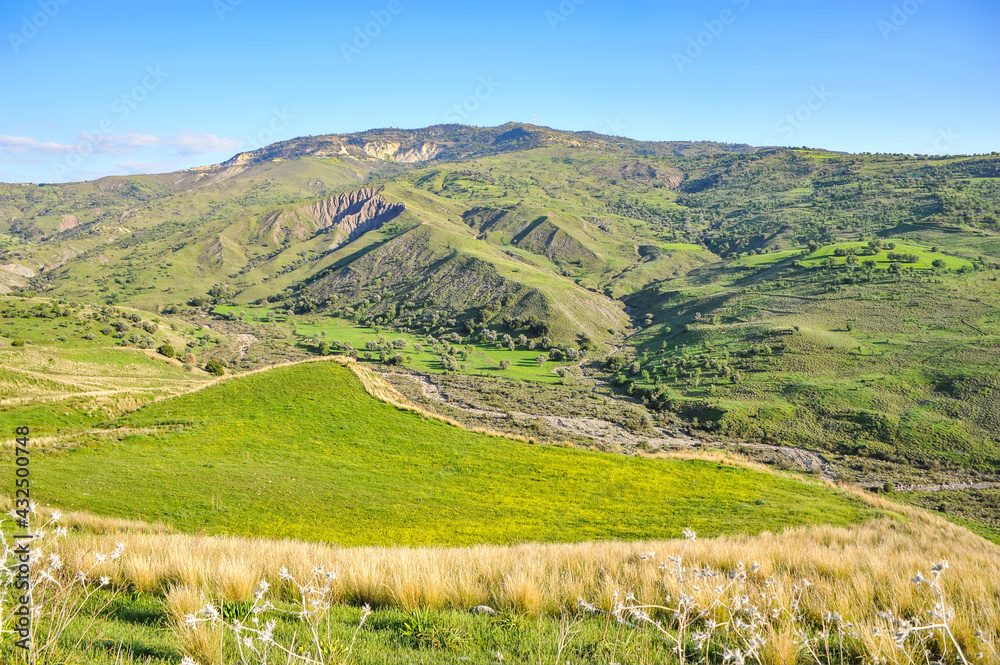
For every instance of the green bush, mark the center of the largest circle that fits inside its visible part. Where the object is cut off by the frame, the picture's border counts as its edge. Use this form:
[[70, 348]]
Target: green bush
[[166, 350], [215, 367], [18, 342]]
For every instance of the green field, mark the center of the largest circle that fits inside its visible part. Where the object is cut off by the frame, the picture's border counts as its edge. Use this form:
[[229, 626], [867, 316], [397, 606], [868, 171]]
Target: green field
[[485, 359], [304, 452], [925, 255]]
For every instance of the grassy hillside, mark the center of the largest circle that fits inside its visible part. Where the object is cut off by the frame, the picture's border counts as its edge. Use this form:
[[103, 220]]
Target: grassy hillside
[[782, 296], [893, 364], [359, 471]]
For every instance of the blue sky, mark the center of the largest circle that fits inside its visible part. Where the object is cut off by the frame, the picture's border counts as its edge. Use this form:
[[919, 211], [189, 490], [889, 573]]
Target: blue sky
[[92, 87]]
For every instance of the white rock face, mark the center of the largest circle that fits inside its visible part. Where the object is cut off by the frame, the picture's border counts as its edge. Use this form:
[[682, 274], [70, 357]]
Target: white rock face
[[381, 149], [424, 153]]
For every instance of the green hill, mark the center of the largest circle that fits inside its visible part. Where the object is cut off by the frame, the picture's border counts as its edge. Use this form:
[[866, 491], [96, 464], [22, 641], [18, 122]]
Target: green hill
[[789, 296], [359, 471]]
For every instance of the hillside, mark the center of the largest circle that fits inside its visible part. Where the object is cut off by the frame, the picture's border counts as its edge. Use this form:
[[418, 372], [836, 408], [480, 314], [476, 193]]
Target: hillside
[[783, 297], [231, 458]]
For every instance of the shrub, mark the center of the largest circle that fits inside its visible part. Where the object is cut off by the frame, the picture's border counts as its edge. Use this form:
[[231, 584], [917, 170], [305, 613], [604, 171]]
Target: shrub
[[618, 362], [18, 342], [166, 350], [215, 367]]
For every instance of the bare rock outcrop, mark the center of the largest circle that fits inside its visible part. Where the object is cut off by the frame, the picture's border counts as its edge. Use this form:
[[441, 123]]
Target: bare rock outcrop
[[382, 149], [344, 216], [425, 153], [351, 214]]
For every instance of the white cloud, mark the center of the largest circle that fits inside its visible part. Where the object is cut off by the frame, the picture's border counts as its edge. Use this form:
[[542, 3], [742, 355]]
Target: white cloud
[[148, 167], [193, 143], [186, 142], [23, 144]]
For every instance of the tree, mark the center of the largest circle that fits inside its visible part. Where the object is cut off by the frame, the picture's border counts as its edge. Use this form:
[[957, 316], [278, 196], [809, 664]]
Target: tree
[[166, 350], [215, 367], [504, 364], [938, 264], [617, 362], [542, 359]]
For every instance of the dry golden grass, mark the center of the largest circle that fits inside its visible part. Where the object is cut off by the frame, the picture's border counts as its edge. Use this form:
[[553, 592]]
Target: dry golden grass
[[856, 571], [202, 641]]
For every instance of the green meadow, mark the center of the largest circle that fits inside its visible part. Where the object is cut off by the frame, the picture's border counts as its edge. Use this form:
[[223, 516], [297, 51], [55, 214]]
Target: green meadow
[[419, 353], [304, 452]]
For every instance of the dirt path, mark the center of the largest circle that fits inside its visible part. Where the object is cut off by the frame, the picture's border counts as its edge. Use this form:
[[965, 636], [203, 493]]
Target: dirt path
[[608, 434], [943, 487]]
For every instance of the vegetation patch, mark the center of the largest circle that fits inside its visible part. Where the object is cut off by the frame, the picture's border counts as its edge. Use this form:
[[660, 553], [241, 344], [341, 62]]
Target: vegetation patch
[[359, 471]]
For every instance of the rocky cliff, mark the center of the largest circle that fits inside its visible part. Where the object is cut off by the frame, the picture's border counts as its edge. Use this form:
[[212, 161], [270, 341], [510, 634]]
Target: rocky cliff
[[344, 216]]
